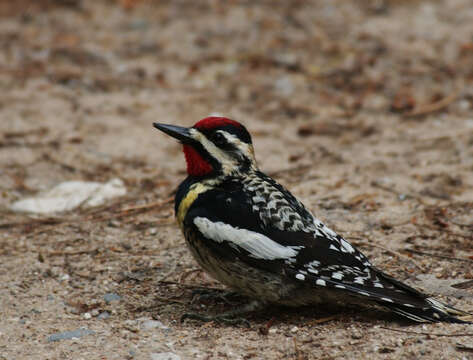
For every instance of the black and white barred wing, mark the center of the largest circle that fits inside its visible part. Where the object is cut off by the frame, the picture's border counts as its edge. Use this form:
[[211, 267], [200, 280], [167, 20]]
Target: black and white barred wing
[[315, 256], [310, 253]]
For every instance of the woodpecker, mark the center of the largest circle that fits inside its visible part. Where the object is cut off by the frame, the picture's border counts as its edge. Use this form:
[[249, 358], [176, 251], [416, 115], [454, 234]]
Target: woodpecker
[[251, 234]]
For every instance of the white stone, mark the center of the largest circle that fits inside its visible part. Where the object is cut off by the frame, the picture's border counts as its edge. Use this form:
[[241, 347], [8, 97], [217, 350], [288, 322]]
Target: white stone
[[69, 195]]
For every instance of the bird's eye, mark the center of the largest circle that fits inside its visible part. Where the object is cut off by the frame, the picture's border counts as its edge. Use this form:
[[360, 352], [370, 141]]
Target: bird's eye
[[218, 139]]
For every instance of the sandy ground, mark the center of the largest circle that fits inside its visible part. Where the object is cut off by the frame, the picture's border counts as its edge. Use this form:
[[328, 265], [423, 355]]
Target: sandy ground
[[363, 109]]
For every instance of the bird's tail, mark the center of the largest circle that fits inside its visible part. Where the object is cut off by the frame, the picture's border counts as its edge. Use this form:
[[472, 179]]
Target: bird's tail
[[433, 311]]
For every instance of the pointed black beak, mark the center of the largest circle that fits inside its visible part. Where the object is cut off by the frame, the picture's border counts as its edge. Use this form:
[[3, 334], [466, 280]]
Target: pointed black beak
[[180, 133]]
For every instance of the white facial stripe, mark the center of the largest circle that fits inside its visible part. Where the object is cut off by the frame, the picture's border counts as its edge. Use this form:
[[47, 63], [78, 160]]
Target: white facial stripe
[[258, 245], [246, 149], [228, 162]]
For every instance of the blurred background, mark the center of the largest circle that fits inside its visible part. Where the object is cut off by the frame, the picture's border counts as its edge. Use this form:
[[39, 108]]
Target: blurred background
[[83, 76], [364, 109]]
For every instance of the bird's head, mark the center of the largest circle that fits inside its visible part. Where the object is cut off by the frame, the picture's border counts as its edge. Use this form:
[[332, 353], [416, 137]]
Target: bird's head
[[214, 146]]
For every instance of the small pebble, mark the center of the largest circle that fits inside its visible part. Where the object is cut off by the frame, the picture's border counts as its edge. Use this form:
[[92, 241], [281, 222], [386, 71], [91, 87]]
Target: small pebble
[[284, 86], [294, 329], [464, 104], [153, 324], [87, 316], [109, 297], [138, 24], [165, 356], [103, 315], [114, 223], [387, 350], [356, 335], [67, 335]]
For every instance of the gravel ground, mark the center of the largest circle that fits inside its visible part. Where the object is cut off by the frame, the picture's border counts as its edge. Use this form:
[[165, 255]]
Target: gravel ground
[[363, 109]]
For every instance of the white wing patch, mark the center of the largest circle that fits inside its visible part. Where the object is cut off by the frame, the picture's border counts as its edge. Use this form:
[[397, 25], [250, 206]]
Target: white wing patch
[[258, 245], [333, 247], [347, 246]]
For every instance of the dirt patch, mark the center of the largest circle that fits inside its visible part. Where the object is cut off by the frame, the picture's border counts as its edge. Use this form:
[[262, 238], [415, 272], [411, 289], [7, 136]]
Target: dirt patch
[[364, 111]]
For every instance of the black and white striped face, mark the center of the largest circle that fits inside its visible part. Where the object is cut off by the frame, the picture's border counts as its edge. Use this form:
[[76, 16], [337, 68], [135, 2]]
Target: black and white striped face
[[225, 149], [214, 145]]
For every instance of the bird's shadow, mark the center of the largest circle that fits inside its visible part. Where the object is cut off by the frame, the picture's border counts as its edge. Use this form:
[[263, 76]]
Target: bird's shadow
[[212, 301]]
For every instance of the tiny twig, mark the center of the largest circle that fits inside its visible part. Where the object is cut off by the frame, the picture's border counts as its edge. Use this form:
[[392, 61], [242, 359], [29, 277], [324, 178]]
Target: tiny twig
[[148, 206], [466, 236], [189, 286], [33, 222], [462, 347], [437, 256], [125, 212], [169, 273], [463, 285], [289, 170], [68, 167], [185, 274], [461, 224], [433, 107], [324, 320], [394, 252], [297, 354], [425, 333], [29, 132], [397, 193], [264, 330], [168, 300], [69, 253], [109, 211]]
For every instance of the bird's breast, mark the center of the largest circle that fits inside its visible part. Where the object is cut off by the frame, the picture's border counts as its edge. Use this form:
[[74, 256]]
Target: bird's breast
[[188, 200]]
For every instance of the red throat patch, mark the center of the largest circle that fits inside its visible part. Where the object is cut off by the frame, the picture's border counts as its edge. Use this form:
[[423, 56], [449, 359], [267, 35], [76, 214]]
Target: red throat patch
[[196, 165]]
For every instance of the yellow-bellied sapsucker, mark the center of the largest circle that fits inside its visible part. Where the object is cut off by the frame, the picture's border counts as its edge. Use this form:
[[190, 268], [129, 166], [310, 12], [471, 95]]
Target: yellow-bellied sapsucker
[[250, 233]]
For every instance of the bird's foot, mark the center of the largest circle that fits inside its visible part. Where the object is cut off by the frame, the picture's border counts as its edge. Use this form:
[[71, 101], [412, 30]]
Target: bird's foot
[[212, 294], [232, 317]]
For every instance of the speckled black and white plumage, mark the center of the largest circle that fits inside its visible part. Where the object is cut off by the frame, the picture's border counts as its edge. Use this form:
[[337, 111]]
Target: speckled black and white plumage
[[252, 234]]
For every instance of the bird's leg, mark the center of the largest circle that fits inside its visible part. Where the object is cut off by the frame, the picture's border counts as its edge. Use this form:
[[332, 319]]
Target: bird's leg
[[216, 294], [231, 317]]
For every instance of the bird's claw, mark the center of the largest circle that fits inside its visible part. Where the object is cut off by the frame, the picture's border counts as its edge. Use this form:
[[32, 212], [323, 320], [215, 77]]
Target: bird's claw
[[224, 319], [204, 294]]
